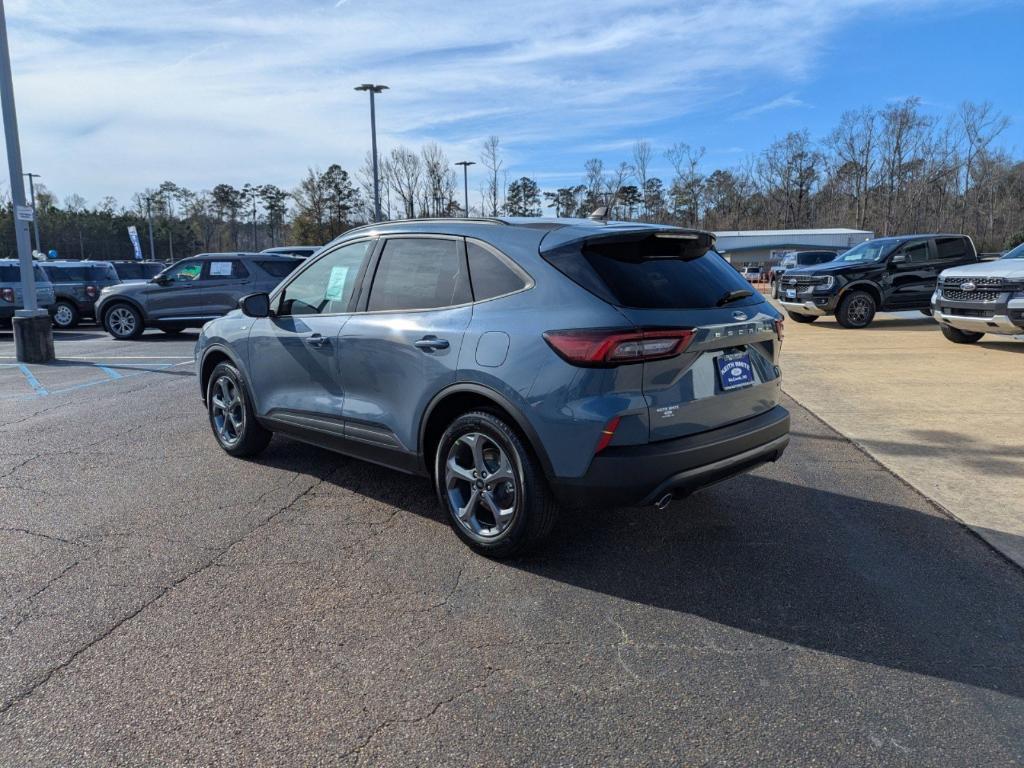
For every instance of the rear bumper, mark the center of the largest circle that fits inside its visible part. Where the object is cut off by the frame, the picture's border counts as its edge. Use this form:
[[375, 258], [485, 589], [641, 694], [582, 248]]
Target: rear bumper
[[641, 474]]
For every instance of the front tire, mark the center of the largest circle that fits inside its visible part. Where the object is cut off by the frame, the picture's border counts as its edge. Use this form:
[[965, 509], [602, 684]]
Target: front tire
[[123, 321], [796, 317], [232, 417], [856, 310], [492, 487], [65, 315], [960, 337]]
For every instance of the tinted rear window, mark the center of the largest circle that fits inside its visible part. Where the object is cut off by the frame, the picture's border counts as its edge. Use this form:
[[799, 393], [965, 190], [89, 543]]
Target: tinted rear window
[[489, 275], [278, 268], [79, 274], [419, 273], [624, 275], [11, 274]]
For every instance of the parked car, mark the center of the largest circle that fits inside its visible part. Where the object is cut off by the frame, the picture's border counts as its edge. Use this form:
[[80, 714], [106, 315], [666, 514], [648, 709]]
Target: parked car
[[752, 274], [795, 259], [887, 273], [137, 271], [302, 251], [12, 297], [190, 292], [76, 286], [976, 299], [520, 363]]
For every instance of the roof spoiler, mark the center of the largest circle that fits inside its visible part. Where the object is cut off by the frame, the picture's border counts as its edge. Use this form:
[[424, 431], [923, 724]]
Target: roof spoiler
[[640, 244]]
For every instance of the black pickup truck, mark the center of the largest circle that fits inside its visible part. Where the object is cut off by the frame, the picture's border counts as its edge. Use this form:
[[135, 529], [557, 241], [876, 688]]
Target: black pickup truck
[[888, 273]]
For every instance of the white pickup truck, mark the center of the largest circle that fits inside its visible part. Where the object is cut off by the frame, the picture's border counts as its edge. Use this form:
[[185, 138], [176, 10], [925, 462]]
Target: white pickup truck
[[987, 297]]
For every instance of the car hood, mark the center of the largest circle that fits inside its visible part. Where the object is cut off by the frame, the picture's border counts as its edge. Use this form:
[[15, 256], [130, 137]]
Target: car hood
[[998, 268], [125, 289], [831, 268]]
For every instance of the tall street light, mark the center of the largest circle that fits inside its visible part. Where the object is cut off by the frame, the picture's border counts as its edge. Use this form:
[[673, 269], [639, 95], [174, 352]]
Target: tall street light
[[465, 180], [35, 215], [374, 89], [33, 334]]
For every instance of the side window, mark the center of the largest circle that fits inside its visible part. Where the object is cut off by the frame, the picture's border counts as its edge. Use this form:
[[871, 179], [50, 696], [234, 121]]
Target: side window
[[950, 248], [489, 275], [278, 268], [185, 271], [224, 270], [917, 253], [326, 286], [419, 273]]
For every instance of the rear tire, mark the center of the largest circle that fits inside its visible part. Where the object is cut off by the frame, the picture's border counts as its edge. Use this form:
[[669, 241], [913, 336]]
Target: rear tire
[[960, 337], [65, 315], [232, 417], [856, 310], [796, 317], [476, 448], [123, 321]]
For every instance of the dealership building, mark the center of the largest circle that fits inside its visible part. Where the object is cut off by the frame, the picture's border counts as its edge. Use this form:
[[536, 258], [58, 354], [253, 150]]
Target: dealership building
[[763, 247]]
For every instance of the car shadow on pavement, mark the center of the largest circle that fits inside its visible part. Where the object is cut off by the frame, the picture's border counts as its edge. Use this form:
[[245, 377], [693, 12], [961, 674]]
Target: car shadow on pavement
[[866, 580]]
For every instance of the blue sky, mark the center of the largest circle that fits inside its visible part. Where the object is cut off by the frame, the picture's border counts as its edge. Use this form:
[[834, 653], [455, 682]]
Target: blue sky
[[114, 97]]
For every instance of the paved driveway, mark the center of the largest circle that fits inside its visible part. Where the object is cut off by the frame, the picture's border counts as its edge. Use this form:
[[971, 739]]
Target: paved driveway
[[947, 418]]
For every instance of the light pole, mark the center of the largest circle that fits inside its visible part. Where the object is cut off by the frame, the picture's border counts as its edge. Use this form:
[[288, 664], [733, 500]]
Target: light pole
[[33, 334], [149, 220], [465, 180], [35, 214], [373, 89]]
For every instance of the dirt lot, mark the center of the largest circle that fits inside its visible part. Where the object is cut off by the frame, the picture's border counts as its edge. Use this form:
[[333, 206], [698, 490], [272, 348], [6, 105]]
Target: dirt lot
[[944, 417]]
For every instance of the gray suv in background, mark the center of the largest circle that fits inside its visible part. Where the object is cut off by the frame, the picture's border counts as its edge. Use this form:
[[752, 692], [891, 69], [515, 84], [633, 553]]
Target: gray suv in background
[[189, 292], [519, 363], [12, 298], [76, 286]]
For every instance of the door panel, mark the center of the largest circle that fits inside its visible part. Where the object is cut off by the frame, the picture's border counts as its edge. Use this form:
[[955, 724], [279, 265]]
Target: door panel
[[910, 283], [182, 297], [223, 284]]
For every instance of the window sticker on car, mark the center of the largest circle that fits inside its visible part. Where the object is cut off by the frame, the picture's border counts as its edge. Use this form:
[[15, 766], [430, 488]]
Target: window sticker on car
[[220, 269], [336, 283]]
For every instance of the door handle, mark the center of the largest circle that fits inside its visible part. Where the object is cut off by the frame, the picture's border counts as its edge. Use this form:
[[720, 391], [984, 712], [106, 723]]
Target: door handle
[[316, 340], [432, 342]]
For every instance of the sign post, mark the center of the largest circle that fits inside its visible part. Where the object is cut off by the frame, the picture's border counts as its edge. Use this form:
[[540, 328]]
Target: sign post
[[33, 332]]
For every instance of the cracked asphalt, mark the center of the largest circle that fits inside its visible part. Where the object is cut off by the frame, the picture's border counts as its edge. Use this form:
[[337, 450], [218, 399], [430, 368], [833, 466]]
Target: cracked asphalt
[[163, 603]]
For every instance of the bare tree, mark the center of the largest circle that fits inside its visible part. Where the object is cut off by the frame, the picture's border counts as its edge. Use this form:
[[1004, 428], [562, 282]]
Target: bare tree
[[643, 153], [491, 159], [404, 174]]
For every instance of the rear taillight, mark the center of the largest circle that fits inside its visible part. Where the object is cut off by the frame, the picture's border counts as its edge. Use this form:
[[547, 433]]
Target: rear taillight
[[607, 434], [615, 347], [7, 294], [780, 327], [90, 291]]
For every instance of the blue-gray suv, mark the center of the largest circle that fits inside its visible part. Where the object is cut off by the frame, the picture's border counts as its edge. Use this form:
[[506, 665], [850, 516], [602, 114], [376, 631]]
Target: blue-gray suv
[[522, 364]]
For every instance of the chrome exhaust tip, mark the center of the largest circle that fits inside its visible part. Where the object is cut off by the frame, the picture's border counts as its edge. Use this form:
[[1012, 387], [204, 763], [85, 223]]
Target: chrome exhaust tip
[[663, 502]]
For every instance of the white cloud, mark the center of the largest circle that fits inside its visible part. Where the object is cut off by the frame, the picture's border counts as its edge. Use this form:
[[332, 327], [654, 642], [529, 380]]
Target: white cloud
[[117, 96], [789, 100]]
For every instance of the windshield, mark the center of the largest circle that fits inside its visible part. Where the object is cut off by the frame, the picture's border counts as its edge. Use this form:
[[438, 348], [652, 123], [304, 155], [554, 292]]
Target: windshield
[[788, 261], [870, 250], [1016, 253]]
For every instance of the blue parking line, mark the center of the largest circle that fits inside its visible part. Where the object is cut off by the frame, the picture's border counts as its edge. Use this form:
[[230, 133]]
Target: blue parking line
[[33, 381], [110, 372]]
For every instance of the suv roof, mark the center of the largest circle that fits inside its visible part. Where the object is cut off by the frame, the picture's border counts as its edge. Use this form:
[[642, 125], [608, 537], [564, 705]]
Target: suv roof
[[245, 255]]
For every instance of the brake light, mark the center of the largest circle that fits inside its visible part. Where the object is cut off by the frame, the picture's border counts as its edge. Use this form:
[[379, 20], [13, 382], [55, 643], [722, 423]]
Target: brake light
[[607, 434], [615, 347], [7, 294], [780, 327], [90, 291]]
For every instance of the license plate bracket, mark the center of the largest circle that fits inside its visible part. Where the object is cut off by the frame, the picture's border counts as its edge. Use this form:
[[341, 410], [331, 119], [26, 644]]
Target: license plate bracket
[[735, 371]]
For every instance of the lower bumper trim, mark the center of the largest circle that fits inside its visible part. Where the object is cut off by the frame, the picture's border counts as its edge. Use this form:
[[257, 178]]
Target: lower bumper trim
[[804, 307]]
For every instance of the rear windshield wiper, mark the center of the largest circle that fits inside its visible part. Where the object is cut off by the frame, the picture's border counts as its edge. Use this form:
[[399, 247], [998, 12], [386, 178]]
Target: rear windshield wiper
[[732, 296]]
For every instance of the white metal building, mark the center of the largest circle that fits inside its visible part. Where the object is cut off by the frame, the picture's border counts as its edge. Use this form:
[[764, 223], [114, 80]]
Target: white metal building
[[766, 245]]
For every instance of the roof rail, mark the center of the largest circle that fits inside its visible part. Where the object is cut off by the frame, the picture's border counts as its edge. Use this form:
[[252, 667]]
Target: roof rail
[[432, 219]]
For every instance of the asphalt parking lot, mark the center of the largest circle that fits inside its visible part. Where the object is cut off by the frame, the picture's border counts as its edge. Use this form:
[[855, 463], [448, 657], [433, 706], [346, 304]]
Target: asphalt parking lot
[[161, 602]]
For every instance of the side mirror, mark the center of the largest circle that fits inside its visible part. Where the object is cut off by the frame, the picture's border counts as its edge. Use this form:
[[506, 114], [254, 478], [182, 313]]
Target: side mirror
[[899, 258], [255, 305], [162, 280]]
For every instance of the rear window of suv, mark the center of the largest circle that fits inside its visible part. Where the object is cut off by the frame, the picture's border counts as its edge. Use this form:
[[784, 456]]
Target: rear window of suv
[[80, 274], [13, 274], [631, 274]]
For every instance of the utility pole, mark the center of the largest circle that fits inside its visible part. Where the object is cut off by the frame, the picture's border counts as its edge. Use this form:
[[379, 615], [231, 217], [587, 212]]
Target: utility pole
[[33, 332], [255, 245], [465, 180], [149, 219], [35, 213], [373, 89]]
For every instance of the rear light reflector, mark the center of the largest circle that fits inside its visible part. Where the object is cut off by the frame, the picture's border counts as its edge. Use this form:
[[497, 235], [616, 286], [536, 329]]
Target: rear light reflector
[[7, 294], [615, 347], [607, 434], [780, 327], [90, 291]]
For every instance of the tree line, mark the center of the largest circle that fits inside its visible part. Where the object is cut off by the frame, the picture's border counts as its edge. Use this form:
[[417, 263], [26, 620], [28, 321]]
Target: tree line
[[891, 170]]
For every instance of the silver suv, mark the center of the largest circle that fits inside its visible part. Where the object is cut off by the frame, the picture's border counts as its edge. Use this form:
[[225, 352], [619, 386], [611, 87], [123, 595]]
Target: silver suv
[[11, 295], [190, 292], [987, 297]]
